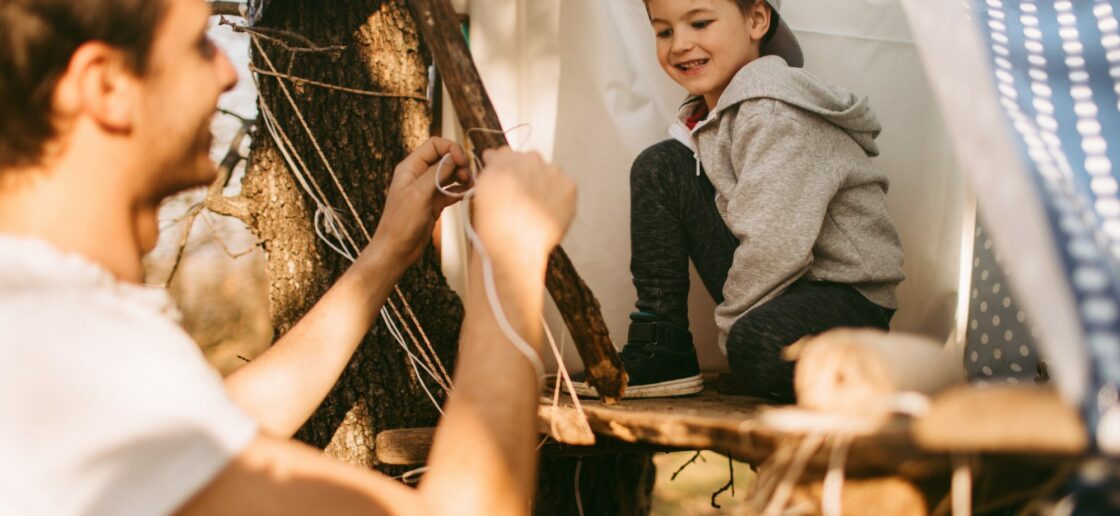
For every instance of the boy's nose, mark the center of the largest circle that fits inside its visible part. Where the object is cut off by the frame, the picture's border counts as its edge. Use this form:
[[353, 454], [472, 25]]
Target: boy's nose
[[681, 45]]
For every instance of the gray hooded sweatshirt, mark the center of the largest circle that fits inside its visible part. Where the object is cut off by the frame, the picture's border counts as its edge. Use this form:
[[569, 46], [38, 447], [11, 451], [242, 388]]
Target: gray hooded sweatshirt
[[790, 159]]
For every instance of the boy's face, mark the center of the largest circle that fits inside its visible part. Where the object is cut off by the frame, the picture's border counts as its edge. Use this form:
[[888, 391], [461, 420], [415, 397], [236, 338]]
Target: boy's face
[[702, 44]]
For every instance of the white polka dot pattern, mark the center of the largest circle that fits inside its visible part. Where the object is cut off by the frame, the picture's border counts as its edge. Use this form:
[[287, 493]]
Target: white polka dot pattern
[[998, 346]]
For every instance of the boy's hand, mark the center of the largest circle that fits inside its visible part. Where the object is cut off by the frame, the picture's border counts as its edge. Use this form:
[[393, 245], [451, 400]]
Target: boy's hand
[[413, 203], [522, 204]]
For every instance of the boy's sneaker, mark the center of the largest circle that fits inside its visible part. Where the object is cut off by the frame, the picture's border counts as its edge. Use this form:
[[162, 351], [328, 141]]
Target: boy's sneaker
[[659, 358]]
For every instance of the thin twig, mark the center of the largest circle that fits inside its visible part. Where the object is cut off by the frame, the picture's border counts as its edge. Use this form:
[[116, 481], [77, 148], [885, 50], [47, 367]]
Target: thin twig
[[222, 243], [685, 465], [355, 91], [187, 225], [243, 120], [273, 36], [730, 482]]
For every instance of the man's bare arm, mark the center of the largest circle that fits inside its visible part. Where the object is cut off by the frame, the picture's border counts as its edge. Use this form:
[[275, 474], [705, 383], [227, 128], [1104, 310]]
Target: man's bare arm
[[280, 477], [483, 460], [282, 387]]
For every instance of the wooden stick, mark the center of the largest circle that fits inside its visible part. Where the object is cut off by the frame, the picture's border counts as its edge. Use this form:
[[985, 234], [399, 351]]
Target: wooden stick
[[220, 8], [439, 26]]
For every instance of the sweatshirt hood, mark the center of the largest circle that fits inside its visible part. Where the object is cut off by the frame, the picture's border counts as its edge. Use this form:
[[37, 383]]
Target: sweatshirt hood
[[771, 78]]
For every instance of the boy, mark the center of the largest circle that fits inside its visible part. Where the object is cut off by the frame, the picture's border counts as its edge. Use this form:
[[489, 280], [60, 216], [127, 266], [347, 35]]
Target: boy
[[768, 186]]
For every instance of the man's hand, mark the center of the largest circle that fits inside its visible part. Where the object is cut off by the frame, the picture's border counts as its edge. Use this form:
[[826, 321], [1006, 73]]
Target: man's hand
[[413, 203], [522, 204]]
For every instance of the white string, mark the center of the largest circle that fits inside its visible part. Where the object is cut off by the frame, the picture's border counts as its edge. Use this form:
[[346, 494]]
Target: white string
[[396, 333], [488, 270], [327, 217], [566, 378], [805, 450], [445, 189], [520, 145], [961, 487], [833, 488], [496, 304], [332, 220], [407, 475], [322, 207]]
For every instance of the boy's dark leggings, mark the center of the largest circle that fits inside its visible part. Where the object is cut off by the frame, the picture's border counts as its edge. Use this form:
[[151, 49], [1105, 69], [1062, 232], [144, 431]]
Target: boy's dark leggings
[[673, 218]]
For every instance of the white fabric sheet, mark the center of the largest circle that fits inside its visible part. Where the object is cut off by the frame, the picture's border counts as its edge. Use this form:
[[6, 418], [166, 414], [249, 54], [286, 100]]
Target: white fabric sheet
[[584, 74]]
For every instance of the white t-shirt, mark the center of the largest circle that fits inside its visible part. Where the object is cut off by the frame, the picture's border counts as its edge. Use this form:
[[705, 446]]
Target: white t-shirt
[[107, 407]]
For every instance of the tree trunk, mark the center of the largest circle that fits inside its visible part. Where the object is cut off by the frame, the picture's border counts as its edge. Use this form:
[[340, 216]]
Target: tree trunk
[[363, 137]]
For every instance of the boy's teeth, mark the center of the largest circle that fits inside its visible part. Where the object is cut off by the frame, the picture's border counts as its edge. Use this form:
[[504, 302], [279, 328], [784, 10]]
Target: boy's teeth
[[691, 64]]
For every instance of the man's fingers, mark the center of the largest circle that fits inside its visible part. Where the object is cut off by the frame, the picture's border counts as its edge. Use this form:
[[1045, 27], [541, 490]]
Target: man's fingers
[[431, 152]]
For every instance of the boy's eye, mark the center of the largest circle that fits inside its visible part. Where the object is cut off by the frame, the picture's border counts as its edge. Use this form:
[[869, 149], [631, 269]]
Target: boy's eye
[[664, 34], [701, 24]]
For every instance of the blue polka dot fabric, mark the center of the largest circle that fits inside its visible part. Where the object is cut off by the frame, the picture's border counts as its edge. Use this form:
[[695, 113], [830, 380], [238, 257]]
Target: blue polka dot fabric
[[1056, 67], [999, 342]]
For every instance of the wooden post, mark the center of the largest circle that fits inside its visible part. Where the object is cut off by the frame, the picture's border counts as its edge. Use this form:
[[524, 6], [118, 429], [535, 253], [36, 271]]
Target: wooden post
[[439, 27]]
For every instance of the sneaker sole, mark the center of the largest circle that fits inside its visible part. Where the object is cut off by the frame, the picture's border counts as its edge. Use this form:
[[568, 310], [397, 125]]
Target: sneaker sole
[[668, 389]]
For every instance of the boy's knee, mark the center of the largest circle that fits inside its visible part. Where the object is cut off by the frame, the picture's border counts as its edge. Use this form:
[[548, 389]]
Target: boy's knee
[[661, 163], [755, 355]]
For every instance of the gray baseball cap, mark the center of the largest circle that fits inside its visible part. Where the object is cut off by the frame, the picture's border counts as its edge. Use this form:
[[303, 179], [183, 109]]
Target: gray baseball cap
[[783, 43]]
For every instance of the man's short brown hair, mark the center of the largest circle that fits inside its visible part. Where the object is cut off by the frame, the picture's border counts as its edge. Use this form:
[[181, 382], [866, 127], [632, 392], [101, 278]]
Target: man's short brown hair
[[37, 40]]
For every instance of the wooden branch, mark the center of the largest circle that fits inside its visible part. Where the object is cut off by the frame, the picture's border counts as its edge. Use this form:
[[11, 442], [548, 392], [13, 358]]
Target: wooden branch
[[236, 207], [440, 29], [220, 8], [188, 223]]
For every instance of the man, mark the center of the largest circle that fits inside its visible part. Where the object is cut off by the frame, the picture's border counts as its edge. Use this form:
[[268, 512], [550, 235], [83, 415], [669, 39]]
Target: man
[[106, 405]]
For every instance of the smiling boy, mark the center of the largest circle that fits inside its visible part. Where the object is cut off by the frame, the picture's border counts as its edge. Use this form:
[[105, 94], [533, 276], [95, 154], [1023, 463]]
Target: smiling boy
[[768, 187]]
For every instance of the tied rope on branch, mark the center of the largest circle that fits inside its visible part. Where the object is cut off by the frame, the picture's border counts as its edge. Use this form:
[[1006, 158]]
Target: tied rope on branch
[[467, 194], [335, 234]]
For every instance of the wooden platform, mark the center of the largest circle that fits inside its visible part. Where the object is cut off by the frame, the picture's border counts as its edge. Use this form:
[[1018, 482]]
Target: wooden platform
[[968, 421], [743, 427]]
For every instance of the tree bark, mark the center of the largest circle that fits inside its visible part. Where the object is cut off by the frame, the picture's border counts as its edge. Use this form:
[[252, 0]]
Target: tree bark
[[363, 138]]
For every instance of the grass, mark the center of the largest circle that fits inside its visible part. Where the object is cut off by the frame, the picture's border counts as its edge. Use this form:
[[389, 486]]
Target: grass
[[691, 492]]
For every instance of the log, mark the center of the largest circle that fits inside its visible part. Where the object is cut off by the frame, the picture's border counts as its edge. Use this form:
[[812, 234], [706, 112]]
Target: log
[[439, 27]]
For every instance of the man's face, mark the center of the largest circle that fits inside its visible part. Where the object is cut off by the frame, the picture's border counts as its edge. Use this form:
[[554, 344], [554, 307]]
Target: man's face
[[702, 44], [186, 75]]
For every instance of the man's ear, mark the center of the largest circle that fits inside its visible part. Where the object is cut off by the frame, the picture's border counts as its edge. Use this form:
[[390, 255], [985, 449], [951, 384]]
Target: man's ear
[[760, 15], [100, 84]]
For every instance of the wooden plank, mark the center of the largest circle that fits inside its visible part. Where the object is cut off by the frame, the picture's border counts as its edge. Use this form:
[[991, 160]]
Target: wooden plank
[[749, 430], [1005, 419], [223, 8], [404, 446], [439, 27], [410, 446]]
